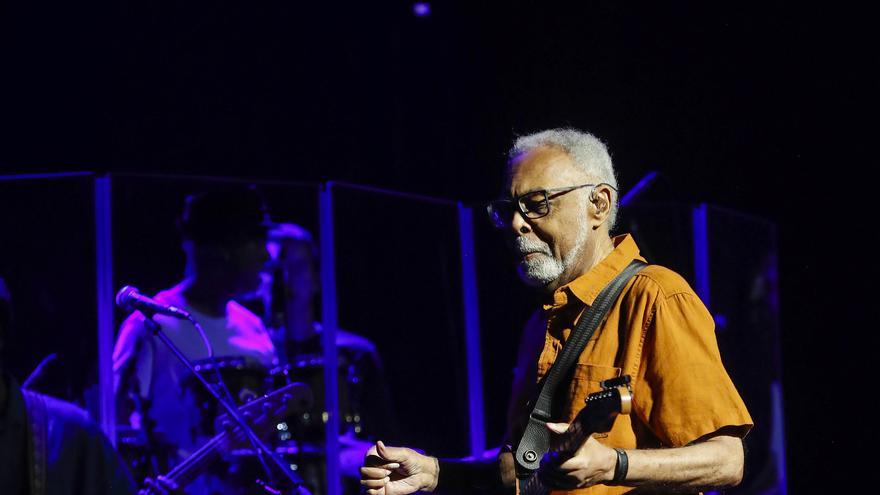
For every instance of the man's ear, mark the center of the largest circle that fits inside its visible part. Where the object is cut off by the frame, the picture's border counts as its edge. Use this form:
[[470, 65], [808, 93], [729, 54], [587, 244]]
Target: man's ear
[[600, 205]]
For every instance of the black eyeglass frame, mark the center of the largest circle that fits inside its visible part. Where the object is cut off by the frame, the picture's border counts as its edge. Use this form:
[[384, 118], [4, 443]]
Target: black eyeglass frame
[[495, 214]]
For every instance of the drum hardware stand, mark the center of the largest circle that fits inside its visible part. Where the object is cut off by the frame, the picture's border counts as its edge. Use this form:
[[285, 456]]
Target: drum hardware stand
[[230, 409]]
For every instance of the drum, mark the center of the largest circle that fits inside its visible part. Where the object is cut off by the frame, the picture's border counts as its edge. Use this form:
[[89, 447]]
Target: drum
[[309, 426], [300, 439], [245, 380]]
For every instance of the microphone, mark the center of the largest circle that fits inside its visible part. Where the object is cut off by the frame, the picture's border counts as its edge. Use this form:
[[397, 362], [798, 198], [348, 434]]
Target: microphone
[[130, 299]]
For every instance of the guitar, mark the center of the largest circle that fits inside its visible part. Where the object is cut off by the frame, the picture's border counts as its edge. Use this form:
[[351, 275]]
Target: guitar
[[260, 414], [597, 416]]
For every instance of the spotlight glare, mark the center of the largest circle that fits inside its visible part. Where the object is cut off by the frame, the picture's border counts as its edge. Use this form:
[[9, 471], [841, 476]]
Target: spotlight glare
[[421, 9]]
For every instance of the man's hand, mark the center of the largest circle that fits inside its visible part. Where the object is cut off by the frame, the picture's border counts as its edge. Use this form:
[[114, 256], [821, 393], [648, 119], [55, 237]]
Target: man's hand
[[592, 463], [398, 471]]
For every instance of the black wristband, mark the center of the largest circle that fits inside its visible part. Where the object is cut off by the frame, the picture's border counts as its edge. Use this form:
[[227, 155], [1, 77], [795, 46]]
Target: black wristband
[[621, 467]]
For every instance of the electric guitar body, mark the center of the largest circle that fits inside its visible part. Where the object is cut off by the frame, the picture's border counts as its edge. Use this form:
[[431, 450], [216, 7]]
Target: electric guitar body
[[598, 415]]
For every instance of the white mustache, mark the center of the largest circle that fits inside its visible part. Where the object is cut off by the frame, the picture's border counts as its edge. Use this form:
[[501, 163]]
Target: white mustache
[[525, 246]]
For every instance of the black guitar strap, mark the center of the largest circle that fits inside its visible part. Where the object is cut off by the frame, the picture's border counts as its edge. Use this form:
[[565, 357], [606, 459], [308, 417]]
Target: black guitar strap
[[536, 439]]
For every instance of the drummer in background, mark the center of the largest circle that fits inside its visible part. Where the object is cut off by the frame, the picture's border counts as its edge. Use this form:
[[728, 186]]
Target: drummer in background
[[224, 239], [291, 302]]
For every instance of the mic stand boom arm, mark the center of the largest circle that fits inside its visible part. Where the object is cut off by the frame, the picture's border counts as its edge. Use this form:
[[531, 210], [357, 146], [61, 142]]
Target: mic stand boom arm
[[230, 409]]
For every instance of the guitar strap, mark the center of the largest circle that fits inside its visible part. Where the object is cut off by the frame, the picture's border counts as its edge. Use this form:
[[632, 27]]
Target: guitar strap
[[536, 439]]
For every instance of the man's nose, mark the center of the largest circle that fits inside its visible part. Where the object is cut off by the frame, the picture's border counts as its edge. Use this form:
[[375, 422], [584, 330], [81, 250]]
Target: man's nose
[[519, 224]]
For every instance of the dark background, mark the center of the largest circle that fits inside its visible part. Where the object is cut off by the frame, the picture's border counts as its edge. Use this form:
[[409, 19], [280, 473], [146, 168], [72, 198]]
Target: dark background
[[763, 107]]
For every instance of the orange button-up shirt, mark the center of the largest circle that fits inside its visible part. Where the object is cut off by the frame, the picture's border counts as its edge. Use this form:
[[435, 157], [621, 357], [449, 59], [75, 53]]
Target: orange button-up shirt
[[658, 332]]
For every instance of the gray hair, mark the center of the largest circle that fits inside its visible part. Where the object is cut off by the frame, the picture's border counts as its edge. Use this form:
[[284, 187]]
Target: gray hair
[[585, 150]]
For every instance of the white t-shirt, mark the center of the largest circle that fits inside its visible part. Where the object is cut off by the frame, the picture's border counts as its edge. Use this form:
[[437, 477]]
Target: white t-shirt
[[161, 377]]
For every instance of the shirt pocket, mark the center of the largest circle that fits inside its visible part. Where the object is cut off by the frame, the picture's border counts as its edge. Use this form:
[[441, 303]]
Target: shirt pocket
[[585, 381]]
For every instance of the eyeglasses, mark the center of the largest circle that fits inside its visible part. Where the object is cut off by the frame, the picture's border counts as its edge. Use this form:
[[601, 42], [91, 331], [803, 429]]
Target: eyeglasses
[[533, 204]]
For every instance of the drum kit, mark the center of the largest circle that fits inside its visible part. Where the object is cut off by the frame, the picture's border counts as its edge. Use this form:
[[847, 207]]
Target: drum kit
[[297, 436], [300, 438]]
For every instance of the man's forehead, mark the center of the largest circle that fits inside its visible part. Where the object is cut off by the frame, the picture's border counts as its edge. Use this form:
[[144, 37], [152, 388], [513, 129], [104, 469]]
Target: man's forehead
[[540, 168]]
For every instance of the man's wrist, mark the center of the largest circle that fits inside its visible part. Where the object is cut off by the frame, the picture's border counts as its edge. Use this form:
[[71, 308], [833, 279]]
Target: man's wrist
[[456, 476], [609, 465], [433, 471]]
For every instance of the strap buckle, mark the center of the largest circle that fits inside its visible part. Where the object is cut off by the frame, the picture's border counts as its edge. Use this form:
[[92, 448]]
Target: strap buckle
[[539, 415]]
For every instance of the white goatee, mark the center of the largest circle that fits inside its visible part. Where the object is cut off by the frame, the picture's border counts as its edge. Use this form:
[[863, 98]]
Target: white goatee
[[542, 268]]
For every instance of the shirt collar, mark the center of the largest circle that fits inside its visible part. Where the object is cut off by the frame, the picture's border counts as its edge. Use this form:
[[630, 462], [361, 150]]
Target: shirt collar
[[587, 287]]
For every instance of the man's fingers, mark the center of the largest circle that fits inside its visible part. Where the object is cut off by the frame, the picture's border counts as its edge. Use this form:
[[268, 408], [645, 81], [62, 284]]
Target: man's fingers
[[376, 491], [556, 471], [557, 427], [383, 451], [393, 454], [375, 483], [375, 472], [556, 479], [381, 455], [376, 461]]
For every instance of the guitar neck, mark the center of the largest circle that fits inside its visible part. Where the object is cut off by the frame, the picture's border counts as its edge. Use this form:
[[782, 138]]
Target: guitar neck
[[597, 416]]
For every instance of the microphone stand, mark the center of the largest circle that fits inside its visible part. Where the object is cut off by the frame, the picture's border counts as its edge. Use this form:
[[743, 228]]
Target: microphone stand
[[230, 409]]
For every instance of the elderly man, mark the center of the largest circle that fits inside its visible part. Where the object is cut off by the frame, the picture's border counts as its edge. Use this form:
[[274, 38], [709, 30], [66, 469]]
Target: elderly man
[[684, 433]]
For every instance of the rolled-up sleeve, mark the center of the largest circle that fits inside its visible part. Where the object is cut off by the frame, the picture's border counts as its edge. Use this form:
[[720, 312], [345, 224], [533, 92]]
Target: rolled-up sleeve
[[683, 392]]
